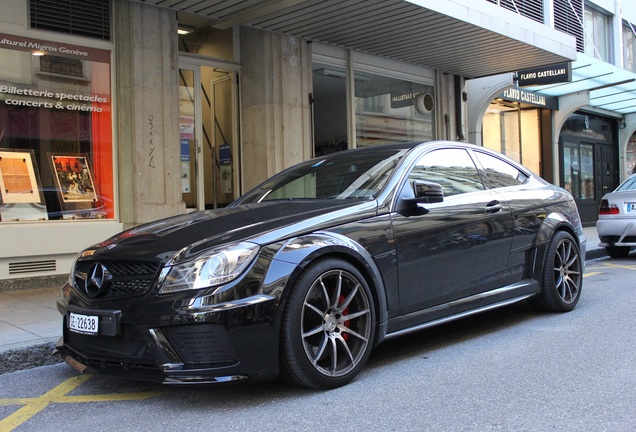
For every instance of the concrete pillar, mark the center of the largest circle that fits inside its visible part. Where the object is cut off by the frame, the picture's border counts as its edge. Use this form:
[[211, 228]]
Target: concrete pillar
[[275, 114], [568, 104], [480, 93], [147, 112]]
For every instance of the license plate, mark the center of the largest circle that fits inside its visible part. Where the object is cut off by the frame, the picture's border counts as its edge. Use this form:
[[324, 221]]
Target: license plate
[[631, 207], [84, 324]]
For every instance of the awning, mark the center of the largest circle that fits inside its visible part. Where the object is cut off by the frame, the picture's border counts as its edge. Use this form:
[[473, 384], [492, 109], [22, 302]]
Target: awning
[[472, 38], [611, 88]]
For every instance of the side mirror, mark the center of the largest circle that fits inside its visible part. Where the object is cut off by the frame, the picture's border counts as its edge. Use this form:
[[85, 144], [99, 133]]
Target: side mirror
[[426, 192]]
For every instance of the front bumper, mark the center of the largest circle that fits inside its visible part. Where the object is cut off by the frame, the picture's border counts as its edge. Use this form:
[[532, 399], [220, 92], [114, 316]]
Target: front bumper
[[176, 341]]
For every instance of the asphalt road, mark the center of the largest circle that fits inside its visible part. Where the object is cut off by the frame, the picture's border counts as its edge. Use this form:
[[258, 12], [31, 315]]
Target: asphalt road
[[507, 370]]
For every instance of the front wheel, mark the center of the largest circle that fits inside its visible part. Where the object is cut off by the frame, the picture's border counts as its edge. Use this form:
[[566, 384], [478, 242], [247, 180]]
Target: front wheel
[[327, 327], [562, 275]]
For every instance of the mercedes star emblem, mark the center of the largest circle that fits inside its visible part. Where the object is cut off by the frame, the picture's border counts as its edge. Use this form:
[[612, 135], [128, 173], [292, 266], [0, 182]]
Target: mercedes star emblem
[[96, 280]]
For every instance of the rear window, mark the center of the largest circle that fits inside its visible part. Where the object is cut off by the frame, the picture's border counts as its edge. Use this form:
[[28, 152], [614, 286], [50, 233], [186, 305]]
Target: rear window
[[629, 184], [499, 172]]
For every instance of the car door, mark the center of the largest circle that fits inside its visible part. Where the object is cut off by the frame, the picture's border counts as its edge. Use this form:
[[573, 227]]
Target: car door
[[453, 249], [526, 200]]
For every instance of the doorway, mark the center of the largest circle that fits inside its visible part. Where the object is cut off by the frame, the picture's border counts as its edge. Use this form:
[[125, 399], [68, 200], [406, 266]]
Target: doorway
[[208, 120], [589, 161]]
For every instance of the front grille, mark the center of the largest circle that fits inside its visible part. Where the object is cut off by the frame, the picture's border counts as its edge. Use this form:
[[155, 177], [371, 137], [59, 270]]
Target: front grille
[[202, 344], [110, 279]]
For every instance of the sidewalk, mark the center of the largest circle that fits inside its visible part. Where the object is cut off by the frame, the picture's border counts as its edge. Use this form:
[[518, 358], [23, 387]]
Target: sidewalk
[[30, 323]]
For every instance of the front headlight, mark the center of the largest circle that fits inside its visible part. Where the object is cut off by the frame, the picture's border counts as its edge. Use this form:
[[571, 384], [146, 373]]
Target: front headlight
[[215, 267]]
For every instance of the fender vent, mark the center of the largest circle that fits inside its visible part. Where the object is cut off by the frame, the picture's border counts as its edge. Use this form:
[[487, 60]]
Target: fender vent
[[32, 267], [77, 17]]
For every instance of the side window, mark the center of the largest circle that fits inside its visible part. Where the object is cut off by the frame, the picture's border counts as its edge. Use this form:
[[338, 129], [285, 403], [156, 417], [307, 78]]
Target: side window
[[451, 168], [499, 172]]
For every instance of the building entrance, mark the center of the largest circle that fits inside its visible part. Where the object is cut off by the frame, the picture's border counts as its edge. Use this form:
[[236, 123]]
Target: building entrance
[[589, 161], [208, 134]]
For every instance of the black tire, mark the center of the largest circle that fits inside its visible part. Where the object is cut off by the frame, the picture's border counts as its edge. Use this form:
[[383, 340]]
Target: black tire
[[617, 251], [562, 275], [328, 326]]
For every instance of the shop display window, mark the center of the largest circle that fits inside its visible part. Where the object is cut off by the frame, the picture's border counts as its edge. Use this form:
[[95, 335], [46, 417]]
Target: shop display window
[[578, 174], [56, 151], [513, 132], [389, 110]]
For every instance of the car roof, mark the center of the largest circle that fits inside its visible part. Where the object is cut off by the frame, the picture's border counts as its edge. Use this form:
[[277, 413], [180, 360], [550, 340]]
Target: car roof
[[412, 145]]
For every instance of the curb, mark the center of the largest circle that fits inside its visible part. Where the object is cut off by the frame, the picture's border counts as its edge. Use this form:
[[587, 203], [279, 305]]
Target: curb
[[28, 357], [32, 356], [595, 253]]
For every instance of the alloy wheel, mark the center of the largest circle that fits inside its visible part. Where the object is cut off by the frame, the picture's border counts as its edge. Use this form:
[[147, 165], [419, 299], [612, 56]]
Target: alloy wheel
[[567, 271], [336, 323]]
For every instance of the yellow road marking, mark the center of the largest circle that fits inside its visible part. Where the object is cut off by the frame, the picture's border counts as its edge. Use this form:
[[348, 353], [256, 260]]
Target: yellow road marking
[[57, 395], [588, 274], [628, 267]]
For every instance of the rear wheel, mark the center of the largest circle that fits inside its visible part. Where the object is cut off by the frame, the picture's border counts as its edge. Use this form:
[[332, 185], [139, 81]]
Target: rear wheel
[[562, 275], [327, 327], [617, 251]]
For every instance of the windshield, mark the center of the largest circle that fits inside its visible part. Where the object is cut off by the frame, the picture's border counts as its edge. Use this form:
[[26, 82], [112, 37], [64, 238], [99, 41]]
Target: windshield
[[344, 175]]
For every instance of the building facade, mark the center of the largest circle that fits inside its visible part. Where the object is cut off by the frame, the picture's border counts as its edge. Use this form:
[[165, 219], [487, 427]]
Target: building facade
[[119, 112], [576, 132]]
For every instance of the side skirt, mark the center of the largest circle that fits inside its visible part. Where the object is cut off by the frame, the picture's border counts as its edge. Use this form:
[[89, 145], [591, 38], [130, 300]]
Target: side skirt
[[465, 307]]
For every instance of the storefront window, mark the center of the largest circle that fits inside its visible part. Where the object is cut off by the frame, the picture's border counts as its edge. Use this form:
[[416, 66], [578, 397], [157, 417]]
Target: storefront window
[[501, 130], [329, 108], [56, 159], [389, 110], [578, 164], [515, 133]]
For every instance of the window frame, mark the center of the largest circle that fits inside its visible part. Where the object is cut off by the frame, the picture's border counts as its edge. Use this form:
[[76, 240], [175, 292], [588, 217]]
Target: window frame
[[599, 49]]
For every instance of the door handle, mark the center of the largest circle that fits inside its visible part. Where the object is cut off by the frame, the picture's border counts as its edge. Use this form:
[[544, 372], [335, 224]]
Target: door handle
[[493, 207]]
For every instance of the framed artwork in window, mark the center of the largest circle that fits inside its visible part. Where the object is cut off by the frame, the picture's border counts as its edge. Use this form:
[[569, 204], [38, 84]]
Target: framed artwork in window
[[74, 178], [19, 182]]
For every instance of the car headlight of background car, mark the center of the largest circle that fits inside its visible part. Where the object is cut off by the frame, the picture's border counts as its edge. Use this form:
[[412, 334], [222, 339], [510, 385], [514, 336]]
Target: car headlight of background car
[[214, 267]]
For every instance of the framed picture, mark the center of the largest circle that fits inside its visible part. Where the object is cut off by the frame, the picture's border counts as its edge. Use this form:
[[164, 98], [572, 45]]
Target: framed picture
[[19, 182], [74, 178]]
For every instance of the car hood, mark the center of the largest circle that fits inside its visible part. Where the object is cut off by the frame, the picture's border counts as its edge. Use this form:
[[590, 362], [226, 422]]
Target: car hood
[[260, 223]]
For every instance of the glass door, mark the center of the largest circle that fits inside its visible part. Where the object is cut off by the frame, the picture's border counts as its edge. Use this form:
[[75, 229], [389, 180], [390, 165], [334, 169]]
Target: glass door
[[208, 135]]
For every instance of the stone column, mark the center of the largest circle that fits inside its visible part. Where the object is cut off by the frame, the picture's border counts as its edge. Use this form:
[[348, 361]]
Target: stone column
[[568, 104], [275, 115], [146, 59], [481, 92]]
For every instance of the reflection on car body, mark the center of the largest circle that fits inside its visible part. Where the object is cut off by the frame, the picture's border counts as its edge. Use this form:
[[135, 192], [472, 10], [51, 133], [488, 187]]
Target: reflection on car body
[[302, 276]]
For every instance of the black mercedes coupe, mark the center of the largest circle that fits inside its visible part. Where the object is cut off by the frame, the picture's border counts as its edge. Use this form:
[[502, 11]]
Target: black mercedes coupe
[[302, 276]]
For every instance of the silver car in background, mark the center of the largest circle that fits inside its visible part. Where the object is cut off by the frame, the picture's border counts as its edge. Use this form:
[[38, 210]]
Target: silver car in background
[[616, 223]]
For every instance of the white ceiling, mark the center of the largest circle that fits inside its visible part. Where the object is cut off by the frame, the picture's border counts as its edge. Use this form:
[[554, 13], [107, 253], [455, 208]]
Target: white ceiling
[[472, 38]]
